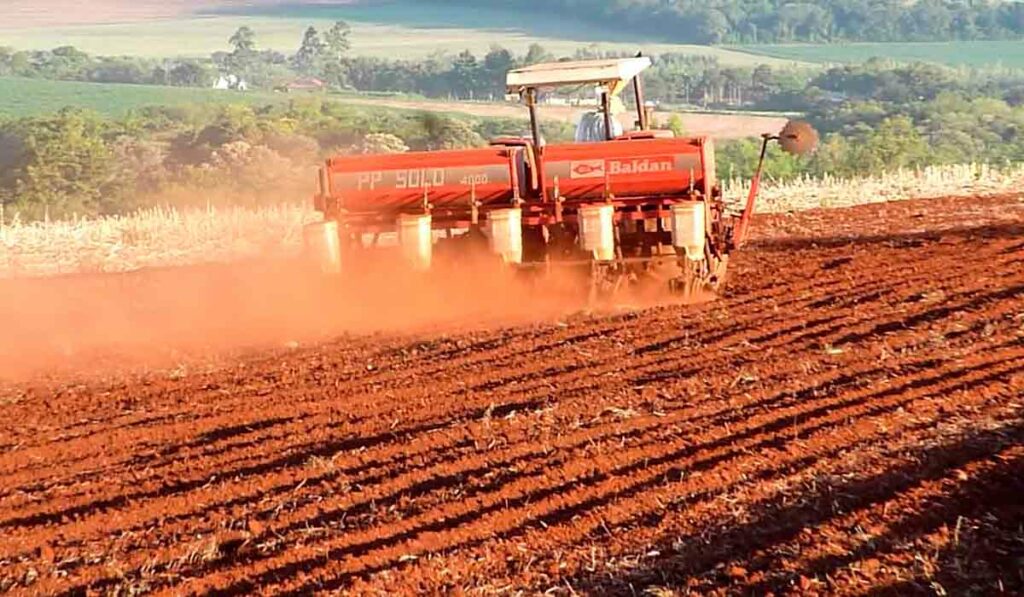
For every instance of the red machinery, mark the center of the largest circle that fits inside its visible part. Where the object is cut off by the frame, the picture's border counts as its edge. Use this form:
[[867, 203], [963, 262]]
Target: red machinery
[[626, 205]]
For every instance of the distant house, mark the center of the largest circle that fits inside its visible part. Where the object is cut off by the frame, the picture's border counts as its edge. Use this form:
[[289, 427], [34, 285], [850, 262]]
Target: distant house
[[552, 100], [231, 83], [556, 101], [305, 84]]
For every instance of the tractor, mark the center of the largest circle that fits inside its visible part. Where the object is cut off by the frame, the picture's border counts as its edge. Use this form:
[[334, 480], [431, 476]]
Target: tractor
[[625, 206]]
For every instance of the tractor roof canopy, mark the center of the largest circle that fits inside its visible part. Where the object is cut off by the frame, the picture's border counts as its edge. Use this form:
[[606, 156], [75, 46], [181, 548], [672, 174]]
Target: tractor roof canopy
[[613, 74]]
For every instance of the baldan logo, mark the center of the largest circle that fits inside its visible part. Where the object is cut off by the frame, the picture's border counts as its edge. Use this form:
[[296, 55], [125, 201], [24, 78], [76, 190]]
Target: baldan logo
[[597, 168], [644, 166], [587, 169]]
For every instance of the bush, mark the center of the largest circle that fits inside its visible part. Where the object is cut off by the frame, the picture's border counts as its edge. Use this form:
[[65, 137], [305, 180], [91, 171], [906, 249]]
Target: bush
[[382, 143]]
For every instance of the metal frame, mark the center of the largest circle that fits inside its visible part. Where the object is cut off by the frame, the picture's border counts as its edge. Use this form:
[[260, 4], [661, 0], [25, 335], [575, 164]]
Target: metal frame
[[528, 90]]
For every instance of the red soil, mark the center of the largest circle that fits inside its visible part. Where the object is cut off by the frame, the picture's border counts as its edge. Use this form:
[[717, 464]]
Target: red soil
[[848, 418]]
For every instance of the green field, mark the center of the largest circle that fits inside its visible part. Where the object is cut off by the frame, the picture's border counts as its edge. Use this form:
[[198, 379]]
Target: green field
[[399, 29], [26, 97], [970, 53], [29, 97]]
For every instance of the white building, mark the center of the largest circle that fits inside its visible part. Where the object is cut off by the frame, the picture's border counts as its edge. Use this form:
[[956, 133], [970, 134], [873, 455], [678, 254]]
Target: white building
[[231, 83]]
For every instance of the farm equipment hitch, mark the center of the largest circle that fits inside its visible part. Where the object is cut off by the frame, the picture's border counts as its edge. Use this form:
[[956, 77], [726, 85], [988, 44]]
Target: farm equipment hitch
[[797, 138]]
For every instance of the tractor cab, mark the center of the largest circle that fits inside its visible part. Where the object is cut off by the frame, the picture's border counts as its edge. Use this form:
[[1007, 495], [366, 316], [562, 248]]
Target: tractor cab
[[609, 77]]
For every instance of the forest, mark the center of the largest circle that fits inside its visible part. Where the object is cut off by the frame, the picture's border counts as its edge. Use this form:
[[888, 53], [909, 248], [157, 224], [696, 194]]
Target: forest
[[882, 116], [77, 163], [780, 21]]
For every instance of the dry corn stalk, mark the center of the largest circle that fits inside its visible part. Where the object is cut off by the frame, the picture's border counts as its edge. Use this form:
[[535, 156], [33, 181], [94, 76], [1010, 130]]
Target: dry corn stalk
[[150, 238], [933, 181]]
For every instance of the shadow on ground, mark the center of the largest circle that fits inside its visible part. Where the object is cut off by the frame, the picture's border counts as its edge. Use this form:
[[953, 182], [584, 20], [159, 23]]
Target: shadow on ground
[[981, 520]]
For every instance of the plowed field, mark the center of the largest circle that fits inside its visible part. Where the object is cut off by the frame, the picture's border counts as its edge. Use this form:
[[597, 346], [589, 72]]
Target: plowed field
[[848, 418]]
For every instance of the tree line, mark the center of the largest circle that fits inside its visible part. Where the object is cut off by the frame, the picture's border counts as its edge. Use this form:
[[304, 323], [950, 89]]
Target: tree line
[[317, 54], [882, 116], [782, 21], [675, 79], [873, 118], [75, 162], [68, 63]]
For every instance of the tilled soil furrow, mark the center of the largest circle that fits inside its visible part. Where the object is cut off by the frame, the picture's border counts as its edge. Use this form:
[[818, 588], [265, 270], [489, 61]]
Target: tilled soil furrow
[[830, 384], [493, 383], [293, 403], [964, 491], [682, 445], [778, 522], [632, 460], [625, 525], [555, 504]]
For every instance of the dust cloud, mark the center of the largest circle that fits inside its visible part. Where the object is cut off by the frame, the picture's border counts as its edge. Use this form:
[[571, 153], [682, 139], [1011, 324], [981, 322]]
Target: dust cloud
[[159, 317], [155, 317]]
